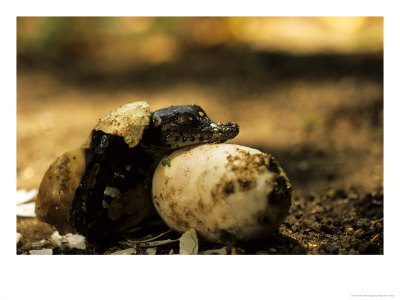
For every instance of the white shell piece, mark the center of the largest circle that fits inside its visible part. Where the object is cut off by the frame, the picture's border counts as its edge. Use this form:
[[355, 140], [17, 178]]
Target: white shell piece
[[189, 243], [56, 239], [127, 121], [25, 196], [41, 252], [76, 241], [151, 251], [19, 237], [26, 210], [40, 243], [69, 240]]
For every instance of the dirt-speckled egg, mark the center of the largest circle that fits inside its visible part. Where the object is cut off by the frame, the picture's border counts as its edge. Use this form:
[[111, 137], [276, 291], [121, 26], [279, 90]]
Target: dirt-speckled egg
[[222, 190], [57, 189]]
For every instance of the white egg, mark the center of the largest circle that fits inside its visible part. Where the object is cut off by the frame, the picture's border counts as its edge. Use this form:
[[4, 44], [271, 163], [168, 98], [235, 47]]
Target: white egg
[[222, 190]]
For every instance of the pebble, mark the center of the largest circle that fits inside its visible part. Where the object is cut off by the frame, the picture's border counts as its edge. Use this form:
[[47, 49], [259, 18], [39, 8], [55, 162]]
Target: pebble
[[41, 252], [350, 230], [358, 232]]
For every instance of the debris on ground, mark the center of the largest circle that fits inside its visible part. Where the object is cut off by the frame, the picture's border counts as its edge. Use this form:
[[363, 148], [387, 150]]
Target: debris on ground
[[41, 252], [68, 241], [151, 251], [19, 236], [221, 251], [24, 196], [189, 243], [25, 203], [128, 251], [298, 111]]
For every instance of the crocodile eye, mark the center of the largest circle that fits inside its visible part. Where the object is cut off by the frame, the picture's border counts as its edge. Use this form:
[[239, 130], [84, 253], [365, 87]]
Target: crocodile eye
[[184, 118], [181, 119], [156, 120]]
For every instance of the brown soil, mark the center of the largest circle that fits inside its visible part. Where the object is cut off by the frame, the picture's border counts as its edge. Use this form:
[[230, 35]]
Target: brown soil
[[321, 117]]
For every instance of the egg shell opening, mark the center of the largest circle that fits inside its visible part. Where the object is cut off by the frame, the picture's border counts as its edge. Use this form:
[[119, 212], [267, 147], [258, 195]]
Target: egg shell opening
[[57, 189]]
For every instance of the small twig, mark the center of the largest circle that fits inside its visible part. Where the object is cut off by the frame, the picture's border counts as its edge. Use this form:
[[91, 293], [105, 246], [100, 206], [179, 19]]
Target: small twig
[[313, 229], [375, 237], [132, 242], [156, 243]]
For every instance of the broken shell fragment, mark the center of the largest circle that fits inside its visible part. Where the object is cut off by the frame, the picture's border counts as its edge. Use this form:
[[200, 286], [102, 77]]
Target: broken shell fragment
[[19, 237], [128, 121], [68, 241], [188, 243], [41, 252], [222, 191], [57, 189]]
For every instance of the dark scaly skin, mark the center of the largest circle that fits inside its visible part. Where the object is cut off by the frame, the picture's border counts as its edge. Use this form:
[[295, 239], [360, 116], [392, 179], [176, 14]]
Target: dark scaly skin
[[109, 156], [104, 168]]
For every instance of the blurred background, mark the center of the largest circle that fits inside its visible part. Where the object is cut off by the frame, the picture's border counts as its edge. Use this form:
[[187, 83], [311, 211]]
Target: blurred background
[[308, 90]]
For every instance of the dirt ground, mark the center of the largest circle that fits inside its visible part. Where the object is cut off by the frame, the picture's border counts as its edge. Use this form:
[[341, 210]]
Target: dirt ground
[[320, 116]]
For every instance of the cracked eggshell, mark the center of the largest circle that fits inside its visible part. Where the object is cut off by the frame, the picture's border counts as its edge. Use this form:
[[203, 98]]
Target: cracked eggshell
[[128, 121], [57, 189], [222, 190]]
